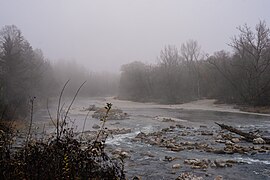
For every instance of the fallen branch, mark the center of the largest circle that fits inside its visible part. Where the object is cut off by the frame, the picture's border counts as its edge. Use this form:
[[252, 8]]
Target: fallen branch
[[248, 136]]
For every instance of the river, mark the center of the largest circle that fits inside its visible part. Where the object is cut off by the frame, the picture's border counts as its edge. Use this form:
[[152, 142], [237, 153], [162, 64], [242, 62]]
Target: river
[[148, 161]]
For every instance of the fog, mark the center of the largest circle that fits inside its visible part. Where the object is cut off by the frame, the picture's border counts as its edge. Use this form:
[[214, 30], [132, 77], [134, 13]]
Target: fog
[[102, 35], [178, 78]]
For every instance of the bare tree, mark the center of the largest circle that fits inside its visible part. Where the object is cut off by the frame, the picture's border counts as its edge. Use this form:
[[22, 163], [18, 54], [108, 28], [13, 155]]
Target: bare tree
[[169, 72], [252, 53], [191, 53]]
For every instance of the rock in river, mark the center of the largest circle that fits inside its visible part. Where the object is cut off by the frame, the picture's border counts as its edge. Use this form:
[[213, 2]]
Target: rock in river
[[258, 141], [95, 126], [176, 166]]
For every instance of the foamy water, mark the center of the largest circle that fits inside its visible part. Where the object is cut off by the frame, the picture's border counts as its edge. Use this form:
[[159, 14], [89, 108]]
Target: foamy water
[[251, 161]]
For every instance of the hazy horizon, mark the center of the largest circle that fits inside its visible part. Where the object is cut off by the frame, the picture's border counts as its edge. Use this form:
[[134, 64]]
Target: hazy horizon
[[103, 35]]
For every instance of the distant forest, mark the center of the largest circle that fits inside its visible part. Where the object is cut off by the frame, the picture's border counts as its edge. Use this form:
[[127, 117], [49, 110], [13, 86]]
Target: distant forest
[[26, 74], [184, 74], [181, 74]]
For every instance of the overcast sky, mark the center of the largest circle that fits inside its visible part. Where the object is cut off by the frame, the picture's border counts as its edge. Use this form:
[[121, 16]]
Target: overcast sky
[[104, 34]]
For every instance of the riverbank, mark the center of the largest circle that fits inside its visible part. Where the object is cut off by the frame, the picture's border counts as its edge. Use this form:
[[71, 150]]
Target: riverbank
[[205, 104]]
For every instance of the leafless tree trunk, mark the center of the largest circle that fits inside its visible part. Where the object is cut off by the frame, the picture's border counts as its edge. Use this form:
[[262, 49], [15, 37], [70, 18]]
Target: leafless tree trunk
[[191, 53]]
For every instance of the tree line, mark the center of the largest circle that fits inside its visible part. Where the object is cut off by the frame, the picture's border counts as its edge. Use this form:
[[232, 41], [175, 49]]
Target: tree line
[[186, 73], [26, 74]]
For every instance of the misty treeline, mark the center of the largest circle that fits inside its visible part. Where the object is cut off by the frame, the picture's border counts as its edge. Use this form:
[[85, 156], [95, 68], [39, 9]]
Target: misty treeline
[[26, 74], [186, 73]]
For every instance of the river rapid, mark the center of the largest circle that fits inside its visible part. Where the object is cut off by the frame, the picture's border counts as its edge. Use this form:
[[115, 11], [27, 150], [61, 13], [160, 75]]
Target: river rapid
[[185, 124]]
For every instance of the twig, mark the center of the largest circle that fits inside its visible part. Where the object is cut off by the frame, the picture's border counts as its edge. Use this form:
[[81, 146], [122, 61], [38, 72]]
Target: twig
[[58, 108], [31, 119], [90, 109], [43, 131], [50, 113], [65, 117], [103, 119]]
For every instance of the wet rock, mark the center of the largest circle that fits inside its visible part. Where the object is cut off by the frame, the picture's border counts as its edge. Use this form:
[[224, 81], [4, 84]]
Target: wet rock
[[124, 154], [187, 143], [119, 131], [95, 126], [207, 133], [228, 142], [262, 151], [136, 139], [208, 149], [227, 136], [141, 135], [183, 134], [219, 137], [177, 149], [190, 147], [213, 165], [167, 120], [152, 141], [114, 114], [203, 126], [197, 163], [266, 147], [180, 126], [176, 166], [220, 141], [171, 145], [148, 154], [231, 161], [235, 140], [117, 151], [220, 163], [169, 158], [219, 151], [223, 163], [256, 148], [165, 129], [136, 178], [201, 146], [188, 176], [258, 141], [219, 177]]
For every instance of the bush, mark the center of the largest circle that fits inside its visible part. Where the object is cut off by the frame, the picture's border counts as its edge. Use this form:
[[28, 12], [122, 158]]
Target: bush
[[58, 157]]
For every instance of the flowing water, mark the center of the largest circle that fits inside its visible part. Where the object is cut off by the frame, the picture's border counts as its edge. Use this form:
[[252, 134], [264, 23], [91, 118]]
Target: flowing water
[[147, 160]]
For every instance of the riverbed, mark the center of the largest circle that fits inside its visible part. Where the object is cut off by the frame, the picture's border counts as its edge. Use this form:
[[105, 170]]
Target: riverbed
[[185, 123]]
